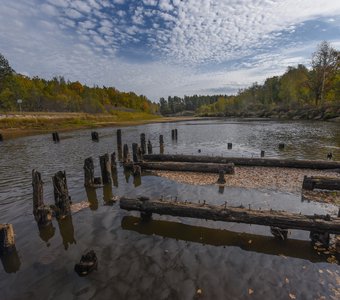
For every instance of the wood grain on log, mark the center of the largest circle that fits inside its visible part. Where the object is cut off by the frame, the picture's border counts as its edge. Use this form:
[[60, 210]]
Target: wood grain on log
[[242, 161], [283, 220], [7, 242], [61, 196]]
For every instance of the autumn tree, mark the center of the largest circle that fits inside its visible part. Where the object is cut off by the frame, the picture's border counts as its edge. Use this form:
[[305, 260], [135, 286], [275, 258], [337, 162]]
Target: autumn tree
[[325, 64]]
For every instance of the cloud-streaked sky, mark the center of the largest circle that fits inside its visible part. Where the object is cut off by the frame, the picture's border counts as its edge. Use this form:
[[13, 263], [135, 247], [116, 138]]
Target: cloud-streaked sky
[[165, 47]]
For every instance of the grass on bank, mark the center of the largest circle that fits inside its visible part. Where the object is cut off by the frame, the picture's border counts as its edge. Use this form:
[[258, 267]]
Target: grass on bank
[[65, 121]]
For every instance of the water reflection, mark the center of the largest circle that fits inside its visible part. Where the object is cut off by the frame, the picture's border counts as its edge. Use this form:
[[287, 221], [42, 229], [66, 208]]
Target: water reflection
[[67, 231], [221, 189], [46, 232], [218, 237], [92, 197], [11, 261]]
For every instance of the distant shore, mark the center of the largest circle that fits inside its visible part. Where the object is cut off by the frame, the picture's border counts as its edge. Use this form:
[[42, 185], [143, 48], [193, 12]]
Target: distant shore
[[14, 125]]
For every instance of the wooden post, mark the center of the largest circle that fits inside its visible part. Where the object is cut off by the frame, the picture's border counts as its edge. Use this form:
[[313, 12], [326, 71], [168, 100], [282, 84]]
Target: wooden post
[[161, 144], [126, 155], [7, 242], [1, 137], [230, 146], [41, 212], [38, 191], [61, 196], [88, 172], [281, 146], [119, 137], [143, 143], [135, 152], [149, 147], [113, 159], [105, 166], [139, 153], [55, 136], [172, 134], [176, 134], [262, 153], [95, 136], [221, 179]]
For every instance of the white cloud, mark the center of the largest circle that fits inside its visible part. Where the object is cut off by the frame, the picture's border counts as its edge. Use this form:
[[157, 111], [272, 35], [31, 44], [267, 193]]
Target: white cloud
[[73, 14]]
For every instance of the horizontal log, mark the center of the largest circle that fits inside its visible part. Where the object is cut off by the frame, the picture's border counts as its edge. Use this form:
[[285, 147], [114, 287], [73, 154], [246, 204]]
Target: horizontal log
[[243, 161], [189, 167], [281, 219], [318, 182]]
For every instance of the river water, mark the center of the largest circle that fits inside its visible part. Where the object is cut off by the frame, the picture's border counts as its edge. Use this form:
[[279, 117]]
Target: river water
[[169, 257]]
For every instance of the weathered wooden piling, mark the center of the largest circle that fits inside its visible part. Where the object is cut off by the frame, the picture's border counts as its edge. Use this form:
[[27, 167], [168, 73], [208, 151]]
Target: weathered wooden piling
[[55, 137], [172, 134], [105, 167], [221, 179], [119, 137], [189, 167], [149, 147], [245, 161], [41, 212], [318, 182], [135, 152], [126, 154], [176, 134], [61, 195], [161, 144], [143, 143], [139, 153], [280, 219], [1, 137], [113, 160], [230, 146], [7, 241], [262, 153], [281, 146], [88, 172], [95, 136]]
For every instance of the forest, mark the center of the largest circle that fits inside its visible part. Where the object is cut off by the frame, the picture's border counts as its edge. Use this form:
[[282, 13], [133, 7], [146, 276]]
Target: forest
[[299, 87], [59, 95]]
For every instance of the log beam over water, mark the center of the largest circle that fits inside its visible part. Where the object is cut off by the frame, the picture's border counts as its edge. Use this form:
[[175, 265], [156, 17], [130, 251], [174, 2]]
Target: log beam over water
[[242, 161], [318, 182], [189, 167], [283, 220]]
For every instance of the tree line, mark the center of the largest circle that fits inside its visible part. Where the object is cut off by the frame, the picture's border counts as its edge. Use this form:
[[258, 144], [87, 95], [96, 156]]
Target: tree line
[[297, 87], [59, 95]]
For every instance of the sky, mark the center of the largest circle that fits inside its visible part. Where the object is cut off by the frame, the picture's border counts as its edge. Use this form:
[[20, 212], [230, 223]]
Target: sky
[[162, 48]]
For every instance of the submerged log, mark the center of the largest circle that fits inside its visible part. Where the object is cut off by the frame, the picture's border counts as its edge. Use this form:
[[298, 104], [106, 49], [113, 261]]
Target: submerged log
[[189, 167], [242, 161], [283, 220], [318, 182], [88, 172], [105, 166], [7, 242], [61, 196], [87, 264]]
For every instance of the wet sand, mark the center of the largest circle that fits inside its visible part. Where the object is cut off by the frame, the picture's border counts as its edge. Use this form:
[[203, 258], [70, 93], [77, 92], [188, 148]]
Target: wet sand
[[279, 179]]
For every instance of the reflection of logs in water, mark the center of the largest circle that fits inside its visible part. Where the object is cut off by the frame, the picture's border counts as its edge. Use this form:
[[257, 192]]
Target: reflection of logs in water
[[46, 232], [218, 237], [66, 231], [11, 261]]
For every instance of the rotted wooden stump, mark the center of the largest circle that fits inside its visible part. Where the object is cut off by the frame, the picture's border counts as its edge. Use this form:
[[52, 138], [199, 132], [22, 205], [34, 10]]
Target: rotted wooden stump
[[149, 147], [95, 136], [221, 178], [7, 241], [105, 166], [279, 233], [119, 137], [143, 143], [87, 264], [88, 172], [281, 146], [262, 153], [55, 137], [42, 213], [135, 152], [126, 154], [61, 196], [230, 146], [161, 144]]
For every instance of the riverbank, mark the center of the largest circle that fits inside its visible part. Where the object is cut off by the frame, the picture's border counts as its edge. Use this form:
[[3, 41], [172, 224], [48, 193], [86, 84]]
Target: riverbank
[[14, 125]]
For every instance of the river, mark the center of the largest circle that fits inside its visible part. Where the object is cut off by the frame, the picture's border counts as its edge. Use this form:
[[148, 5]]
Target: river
[[168, 258]]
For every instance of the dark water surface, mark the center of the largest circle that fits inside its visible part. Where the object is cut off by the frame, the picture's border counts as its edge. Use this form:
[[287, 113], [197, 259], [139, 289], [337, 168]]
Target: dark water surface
[[168, 258]]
